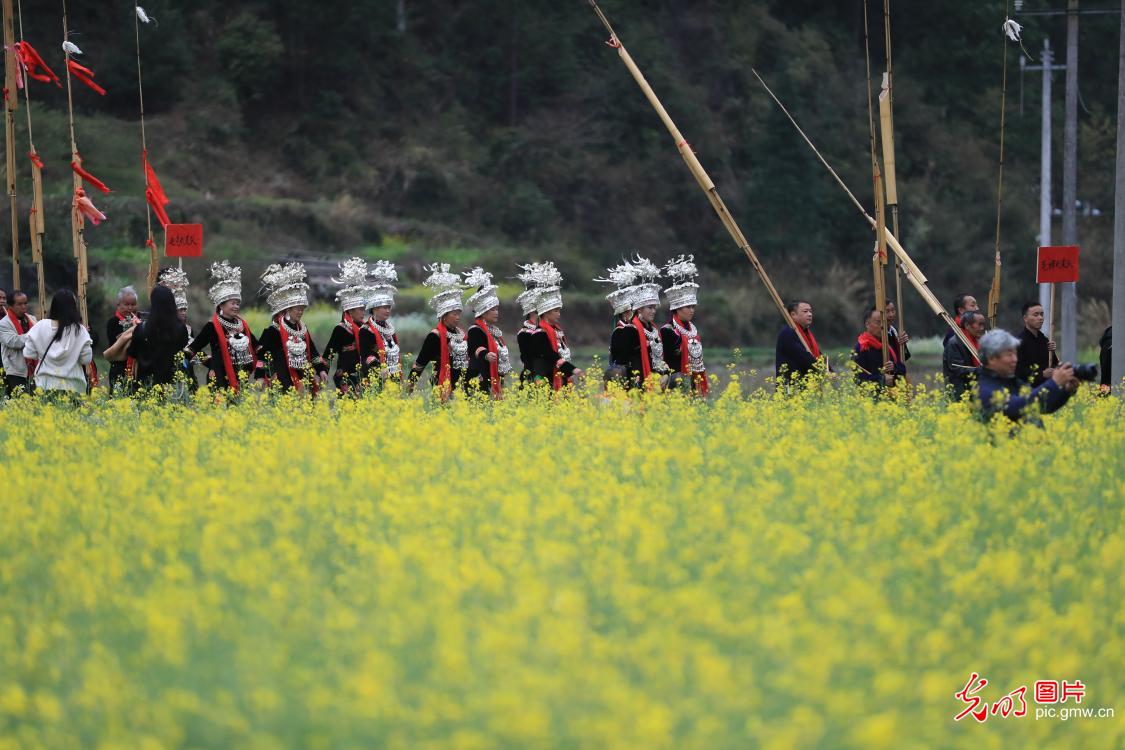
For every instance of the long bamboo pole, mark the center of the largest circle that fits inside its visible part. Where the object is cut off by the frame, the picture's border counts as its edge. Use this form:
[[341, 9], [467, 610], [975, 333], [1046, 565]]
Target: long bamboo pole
[[77, 228], [887, 121], [698, 171], [994, 289], [152, 261], [11, 103], [880, 205], [35, 220], [910, 269]]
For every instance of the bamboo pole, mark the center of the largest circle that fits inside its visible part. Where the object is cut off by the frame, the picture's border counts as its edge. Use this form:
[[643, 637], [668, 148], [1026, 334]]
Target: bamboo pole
[[880, 206], [910, 269], [77, 226], [994, 289], [152, 262], [887, 121], [35, 222], [698, 172], [11, 103]]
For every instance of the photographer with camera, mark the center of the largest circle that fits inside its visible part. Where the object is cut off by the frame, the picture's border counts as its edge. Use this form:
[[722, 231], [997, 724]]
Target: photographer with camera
[[1000, 391]]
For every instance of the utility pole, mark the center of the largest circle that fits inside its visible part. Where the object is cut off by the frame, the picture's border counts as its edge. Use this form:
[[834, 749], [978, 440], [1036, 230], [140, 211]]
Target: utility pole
[[1045, 203], [1117, 358], [1069, 322]]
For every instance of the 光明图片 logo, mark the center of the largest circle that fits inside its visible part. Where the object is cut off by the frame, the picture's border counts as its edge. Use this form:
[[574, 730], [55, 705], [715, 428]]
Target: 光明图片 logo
[[1050, 697]]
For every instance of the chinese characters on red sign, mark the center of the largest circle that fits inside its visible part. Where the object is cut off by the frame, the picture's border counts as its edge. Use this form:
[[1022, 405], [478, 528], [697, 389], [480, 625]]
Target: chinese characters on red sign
[[1057, 264], [183, 241]]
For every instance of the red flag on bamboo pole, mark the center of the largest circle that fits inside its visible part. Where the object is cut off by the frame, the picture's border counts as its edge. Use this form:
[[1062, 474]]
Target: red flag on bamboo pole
[[154, 193]]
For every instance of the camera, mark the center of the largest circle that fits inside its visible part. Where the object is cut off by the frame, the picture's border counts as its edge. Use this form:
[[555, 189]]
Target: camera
[[1088, 372]]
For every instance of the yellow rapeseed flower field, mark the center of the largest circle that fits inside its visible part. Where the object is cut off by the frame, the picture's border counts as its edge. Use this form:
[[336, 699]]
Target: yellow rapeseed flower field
[[581, 572]]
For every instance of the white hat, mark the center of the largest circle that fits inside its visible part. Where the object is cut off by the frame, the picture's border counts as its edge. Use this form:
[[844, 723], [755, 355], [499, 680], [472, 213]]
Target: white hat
[[548, 282], [383, 290], [646, 291], [226, 283], [484, 299], [286, 286], [447, 289], [353, 282], [684, 290], [176, 279], [623, 277], [528, 298]]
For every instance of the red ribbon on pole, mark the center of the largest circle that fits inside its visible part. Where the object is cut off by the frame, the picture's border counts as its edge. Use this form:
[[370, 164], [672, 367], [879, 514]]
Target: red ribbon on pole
[[85, 75]]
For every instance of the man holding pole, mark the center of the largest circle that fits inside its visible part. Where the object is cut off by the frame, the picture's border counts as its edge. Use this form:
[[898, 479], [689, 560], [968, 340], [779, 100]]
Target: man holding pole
[[962, 304], [796, 357]]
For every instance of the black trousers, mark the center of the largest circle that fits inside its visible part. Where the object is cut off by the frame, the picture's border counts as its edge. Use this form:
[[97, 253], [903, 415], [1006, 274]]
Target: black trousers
[[12, 382]]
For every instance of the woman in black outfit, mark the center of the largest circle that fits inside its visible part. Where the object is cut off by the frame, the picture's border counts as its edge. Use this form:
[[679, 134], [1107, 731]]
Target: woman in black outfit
[[158, 343]]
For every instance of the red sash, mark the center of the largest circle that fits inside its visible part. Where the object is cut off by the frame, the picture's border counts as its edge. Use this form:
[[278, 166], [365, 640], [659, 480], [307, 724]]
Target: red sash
[[445, 369], [380, 343], [493, 367], [698, 380], [810, 340], [975, 348], [553, 337], [224, 349], [130, 362], [31, 363], [646, 363], [294, 376], [867, 341]]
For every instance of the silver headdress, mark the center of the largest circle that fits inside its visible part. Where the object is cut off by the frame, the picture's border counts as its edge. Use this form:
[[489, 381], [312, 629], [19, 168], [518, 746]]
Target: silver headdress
[[285, 286], [226, 283], [447, 289], [484, 299], [528, 298], [354, 287], [383, 290], [176, 279], [646, 291], [623, 277], [548, 285], [684, 290]]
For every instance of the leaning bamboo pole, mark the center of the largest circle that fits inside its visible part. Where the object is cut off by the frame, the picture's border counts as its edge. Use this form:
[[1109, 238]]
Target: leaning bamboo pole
[[698, 172], [910, 269]]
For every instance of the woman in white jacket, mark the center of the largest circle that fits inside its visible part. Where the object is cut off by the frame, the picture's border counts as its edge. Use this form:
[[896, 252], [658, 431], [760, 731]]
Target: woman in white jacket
[[62, 345]]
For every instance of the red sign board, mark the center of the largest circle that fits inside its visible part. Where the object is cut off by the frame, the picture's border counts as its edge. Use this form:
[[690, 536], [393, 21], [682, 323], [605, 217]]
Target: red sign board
[[1057, 265], [183, 241]]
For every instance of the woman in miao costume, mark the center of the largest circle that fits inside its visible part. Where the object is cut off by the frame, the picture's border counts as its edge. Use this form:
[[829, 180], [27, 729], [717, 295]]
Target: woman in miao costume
[[292, 359], [235, 352], [489, 360], [445, 346]]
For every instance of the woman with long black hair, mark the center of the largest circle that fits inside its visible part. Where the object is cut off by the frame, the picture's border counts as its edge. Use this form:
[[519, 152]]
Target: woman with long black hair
[[158, 343], [62, 345]]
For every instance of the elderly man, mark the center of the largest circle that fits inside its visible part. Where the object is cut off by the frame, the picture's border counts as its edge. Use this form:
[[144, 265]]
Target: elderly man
[[1001, 392], [962, 304], [868, 354], [14, 325], [958, 363], [124, 317]]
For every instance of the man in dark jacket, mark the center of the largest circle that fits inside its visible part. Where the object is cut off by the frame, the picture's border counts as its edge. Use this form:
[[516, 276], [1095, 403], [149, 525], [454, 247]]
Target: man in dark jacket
[[1036, 350], [868, 354], [999, 391], [794, 359], [959, 364], [962, 304]]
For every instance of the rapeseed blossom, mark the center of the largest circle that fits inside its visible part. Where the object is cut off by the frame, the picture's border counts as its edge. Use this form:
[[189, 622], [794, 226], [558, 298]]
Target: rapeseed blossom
[[818, 571]]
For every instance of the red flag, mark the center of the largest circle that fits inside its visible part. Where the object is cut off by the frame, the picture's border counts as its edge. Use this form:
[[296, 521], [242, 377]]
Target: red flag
[[154, 193], [85, 75], [35, 159], [33, 64], [94, 181]]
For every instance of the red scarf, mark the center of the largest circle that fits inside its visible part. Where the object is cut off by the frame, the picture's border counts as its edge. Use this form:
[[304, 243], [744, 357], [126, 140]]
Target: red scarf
[[646, 364], [553, 336], [380, 343], [31, 363], [698, 380], [493, 367], [975, 347], [224, 349], [810, 340], [294, 376], [867, 341], [445, 368], [130, 362]]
